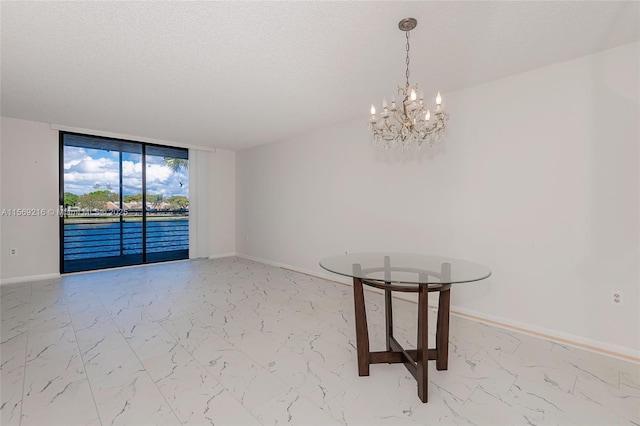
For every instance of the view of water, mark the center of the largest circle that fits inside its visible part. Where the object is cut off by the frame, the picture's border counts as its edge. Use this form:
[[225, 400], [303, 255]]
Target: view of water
[[93, 240]]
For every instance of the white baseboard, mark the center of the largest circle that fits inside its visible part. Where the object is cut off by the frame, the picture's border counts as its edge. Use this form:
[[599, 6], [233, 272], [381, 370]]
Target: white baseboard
[[17, 280], [605, 348], [550, 334], [324, 275], [222, 255]]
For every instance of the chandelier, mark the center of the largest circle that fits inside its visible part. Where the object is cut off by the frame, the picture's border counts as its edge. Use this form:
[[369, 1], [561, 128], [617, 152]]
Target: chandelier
[[410, 124]]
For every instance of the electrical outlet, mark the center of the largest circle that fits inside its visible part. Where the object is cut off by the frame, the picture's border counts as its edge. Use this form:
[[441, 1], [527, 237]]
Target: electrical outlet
[[616, 297], [13, 252]]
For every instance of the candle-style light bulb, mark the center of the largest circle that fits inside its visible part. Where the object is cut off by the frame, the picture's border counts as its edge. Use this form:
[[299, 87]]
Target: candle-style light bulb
[[413, 95], [373, 110], [427, 116], [438, 99], [384, 103]]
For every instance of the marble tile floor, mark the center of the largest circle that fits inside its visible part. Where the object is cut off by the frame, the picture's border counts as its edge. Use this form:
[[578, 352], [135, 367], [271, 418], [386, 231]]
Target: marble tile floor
[[235, 342]]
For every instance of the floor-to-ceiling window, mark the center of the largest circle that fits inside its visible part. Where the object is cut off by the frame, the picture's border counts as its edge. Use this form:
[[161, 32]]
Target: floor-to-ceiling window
[[123, 203]]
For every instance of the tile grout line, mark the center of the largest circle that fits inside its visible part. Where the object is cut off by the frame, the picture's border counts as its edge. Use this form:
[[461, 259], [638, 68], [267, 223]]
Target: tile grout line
[[177, 343], [249, 357], [204, 367], [186, 315], [93, 396], [291, 388], [26, 348], [136, 354]]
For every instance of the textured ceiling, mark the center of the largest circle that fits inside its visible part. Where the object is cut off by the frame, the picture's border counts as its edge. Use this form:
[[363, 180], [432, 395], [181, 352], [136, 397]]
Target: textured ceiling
[[239, 74]]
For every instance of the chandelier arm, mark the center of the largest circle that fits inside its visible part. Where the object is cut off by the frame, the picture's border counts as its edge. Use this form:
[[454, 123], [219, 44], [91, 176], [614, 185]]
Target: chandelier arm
[[400, 119], [404, 107], [387, 125]]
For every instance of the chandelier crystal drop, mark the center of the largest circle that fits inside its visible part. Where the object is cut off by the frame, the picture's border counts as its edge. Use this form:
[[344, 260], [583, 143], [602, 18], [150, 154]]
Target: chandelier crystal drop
[[409, 123]]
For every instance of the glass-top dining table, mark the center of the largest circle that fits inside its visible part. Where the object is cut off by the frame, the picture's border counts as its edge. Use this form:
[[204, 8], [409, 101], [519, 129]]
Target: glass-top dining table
[[410, 273]]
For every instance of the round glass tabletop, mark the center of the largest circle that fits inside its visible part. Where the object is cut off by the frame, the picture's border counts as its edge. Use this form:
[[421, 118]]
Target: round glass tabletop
[[405, 268]]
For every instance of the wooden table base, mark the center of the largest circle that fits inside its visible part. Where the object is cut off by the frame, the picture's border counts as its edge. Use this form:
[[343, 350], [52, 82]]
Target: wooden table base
[[415, 360]]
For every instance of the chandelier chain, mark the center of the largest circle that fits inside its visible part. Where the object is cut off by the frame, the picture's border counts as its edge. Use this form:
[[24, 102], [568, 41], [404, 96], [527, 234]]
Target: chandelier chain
[[407, 48]]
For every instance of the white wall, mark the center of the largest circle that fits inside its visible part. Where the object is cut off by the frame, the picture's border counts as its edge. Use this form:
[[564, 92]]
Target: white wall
[[29, 179], [222, 203], [198, 203], [538, 179]]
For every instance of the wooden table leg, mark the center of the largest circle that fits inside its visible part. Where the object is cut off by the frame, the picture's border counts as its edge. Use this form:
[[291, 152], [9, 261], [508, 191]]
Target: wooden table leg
[[422, 347], [442, 330], [362, 332], [388, 307], [388, 313]]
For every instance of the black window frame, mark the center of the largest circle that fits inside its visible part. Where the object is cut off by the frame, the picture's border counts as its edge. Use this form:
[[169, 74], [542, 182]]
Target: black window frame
[[156, 149]]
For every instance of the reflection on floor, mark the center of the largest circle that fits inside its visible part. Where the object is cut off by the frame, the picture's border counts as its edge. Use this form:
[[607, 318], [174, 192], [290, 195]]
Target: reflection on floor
[[231, 341]]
